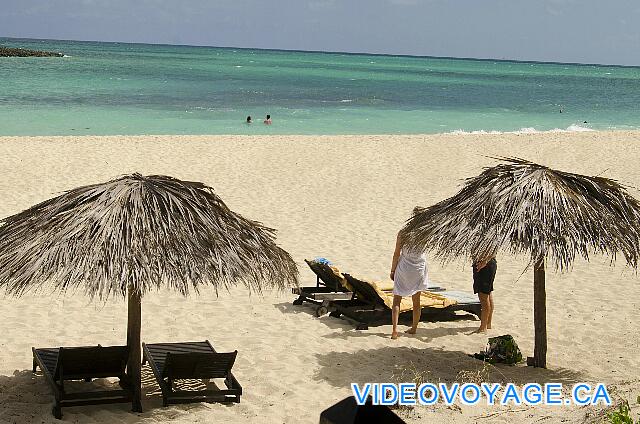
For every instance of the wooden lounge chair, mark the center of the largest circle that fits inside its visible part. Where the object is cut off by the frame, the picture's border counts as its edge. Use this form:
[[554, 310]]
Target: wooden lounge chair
[[187, 361], [83, 363], [373, 300], [330, 285]]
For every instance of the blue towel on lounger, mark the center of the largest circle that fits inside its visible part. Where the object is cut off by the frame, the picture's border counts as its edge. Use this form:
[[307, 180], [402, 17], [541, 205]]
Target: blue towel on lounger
[[322, 260]]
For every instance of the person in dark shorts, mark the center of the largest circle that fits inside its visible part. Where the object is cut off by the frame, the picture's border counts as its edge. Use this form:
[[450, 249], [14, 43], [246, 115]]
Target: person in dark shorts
[[484, 272]]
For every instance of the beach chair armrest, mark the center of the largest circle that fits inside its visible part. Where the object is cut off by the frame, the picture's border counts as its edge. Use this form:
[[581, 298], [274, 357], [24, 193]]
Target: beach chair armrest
[[232, 383]]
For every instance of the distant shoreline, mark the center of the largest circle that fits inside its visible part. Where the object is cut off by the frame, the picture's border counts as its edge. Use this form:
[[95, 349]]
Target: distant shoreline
[[81, 133], [632, 134], [18, 52]]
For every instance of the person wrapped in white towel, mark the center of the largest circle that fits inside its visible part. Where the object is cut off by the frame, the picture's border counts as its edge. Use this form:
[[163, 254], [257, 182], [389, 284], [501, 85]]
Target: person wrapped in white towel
[[410, 278]]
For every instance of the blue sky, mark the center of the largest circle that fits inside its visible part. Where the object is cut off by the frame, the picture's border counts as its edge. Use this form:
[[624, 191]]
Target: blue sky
[[586, 31]]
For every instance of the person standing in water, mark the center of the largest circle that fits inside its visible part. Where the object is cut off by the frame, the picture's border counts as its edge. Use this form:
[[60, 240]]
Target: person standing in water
[[484, 272], [410, 278], [249, 119], [267, 120]]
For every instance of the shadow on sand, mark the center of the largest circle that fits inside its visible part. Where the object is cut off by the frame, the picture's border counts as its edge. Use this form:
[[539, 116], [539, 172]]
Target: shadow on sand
[[26, 397], [423, 334], [380, 318], [388, 364], [401, 364]]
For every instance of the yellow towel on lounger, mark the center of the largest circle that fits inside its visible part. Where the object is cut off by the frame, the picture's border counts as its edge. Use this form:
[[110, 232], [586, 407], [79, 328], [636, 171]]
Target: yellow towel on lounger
[[384, 289], [427, 299], [343, 280]]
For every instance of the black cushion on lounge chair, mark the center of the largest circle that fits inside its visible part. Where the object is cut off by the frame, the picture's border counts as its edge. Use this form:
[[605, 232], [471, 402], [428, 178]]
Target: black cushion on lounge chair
[[83, 363], [347, 411], [191, 360], [364, 291], [326, 275]]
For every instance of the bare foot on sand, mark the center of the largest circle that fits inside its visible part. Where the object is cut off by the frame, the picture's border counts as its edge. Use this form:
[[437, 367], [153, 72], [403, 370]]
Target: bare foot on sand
[[480, 331], [411, 331], [394, 335]]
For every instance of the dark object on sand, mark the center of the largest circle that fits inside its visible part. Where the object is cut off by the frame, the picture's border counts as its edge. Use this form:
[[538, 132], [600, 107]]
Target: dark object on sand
[[16, 52], [523, 207], [347, 411], [134, 234], [83, 363], [501, 350], [193, 361]]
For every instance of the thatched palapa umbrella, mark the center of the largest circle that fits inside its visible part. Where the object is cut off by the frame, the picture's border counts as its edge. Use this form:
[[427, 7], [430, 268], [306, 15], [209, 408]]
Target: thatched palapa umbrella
[[133, 234], [523, 207]]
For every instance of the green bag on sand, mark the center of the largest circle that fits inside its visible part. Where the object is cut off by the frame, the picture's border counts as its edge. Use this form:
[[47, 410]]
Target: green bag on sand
[[501, 349]]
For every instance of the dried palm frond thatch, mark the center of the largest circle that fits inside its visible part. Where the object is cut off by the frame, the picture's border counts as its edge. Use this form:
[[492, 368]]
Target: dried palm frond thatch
[[134, 234], [147, 232], [526, 208]]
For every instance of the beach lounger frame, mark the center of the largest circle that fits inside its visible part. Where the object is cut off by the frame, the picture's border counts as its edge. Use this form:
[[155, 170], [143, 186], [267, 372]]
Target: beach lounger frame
[[328, 288], [191, 360], [367, 306], [83, 363]]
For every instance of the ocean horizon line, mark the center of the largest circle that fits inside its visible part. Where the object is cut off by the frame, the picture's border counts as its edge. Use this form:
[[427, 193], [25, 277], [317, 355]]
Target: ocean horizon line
[[330, 52]]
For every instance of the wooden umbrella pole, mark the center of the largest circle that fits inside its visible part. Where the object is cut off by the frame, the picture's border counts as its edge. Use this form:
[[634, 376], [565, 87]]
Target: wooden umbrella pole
[[133, 343], [539, 315]]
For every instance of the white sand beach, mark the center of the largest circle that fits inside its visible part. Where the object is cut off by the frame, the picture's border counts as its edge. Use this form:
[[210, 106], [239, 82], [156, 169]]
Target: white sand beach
[[343, 198]]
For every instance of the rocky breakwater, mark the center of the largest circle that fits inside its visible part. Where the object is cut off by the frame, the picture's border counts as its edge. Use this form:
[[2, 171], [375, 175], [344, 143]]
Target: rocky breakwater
[[11, 51]]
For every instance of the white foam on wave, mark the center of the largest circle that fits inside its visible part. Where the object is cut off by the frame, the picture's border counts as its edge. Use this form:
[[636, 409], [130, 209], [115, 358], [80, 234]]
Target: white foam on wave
[[527, 130], [460, 131], [576, 127]]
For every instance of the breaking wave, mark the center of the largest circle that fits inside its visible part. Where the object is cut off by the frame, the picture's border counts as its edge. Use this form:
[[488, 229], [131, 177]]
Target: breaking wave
[[527, 130]]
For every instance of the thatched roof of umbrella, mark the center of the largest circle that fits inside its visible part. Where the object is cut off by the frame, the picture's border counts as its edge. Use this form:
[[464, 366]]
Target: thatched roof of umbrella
[[133, 234], [526, 208], [523, 207], [146, 231]]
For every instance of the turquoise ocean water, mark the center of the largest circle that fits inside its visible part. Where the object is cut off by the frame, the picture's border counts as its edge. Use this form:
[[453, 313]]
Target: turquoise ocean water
[[118, 88]]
